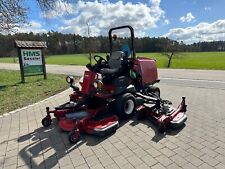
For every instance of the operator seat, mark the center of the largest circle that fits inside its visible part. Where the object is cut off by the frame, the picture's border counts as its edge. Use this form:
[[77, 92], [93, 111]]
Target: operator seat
[[115, 63]]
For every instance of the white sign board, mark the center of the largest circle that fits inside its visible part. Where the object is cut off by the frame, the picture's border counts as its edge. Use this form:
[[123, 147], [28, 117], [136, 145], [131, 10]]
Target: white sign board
[[32, 61]]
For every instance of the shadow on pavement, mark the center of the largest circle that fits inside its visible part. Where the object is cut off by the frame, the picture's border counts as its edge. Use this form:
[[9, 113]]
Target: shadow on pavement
[[158, 135], [45, 146], [51, 144]]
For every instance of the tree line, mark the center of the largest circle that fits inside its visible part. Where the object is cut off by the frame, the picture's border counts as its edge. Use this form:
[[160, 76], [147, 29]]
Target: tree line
[[58, 43]]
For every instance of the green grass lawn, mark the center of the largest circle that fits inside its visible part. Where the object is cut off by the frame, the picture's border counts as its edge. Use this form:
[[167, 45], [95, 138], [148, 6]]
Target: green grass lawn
[[14, 94], [185, 60]]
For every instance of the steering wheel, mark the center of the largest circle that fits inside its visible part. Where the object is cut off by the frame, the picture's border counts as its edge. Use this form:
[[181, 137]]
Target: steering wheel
[[99, 59]]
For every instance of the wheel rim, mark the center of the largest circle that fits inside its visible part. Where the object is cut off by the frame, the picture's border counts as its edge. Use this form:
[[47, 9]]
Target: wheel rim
[[157, 93], [46, 122], [74, 136], [129, 107]]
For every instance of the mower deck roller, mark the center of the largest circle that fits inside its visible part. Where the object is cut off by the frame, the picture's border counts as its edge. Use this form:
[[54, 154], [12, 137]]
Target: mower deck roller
[[117, 87]]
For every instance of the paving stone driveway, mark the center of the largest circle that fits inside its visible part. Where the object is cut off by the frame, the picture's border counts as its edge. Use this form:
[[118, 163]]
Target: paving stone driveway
[[24, 143]]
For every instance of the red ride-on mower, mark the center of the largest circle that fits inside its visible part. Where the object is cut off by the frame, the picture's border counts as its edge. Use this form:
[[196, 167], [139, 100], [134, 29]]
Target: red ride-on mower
[[117, 86]]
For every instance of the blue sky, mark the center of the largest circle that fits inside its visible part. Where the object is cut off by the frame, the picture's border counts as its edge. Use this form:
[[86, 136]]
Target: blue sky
[[183, 20]]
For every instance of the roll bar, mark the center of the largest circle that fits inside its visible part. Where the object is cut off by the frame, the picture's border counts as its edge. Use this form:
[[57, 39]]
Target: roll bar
[[132, 39]]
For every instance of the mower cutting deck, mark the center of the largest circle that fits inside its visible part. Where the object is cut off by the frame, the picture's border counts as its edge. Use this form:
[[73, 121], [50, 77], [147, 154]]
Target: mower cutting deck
[[114, 89]]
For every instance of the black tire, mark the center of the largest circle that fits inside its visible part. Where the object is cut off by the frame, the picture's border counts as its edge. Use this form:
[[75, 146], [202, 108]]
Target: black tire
[[125, 105], [152, 90], [46, 122], [74, 136]]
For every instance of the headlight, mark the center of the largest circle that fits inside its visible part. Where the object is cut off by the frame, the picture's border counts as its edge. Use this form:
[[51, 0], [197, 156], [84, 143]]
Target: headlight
[[70, 79], [98, 85], [95, 84]]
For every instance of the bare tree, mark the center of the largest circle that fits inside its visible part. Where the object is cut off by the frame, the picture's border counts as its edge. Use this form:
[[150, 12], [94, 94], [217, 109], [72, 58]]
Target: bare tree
[[13, 13], [173, 50], [170, 51], [46, 4]]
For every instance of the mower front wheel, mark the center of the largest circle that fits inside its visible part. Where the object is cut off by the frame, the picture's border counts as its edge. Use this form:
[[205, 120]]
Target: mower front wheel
[[74, 136], [125, 105], [153, 90], [46, 122]]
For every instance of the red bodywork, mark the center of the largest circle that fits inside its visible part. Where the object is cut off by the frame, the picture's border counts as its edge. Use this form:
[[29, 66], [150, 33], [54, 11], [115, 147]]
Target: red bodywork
[[86, 124], [88, 80], [147, 69], [87, 88], [177, 114]]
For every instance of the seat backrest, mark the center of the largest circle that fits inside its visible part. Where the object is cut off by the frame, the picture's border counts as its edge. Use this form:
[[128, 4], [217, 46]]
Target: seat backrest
[[116, 59]]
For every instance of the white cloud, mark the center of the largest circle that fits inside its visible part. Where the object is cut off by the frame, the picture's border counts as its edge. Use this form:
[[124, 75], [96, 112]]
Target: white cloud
[[207, 8], [155, 3], [166, 21], [61, 8], [201, 32], [33, 26], [188, 18], [102, 16]]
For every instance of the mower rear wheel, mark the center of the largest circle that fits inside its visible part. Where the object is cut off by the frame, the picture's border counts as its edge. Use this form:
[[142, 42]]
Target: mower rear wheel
[[125, 105], [153, 90], [46, 122], [74, 136]]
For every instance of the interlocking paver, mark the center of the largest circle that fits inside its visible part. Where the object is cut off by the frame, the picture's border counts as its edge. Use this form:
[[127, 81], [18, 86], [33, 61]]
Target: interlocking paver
[[209, 152], [79, 160], [153, 152], [24, 143], [189, 166], [179, 160], [64, 161], [220, 150], [126, 152], [87, 153], [158, 166], [10, 161], [180, 152], [134, 160], [173, 166], [83, 166], [149, 160], [167, 152], [113, 152], [98, 166], [195, 152], [13, 166], [220, 166], [209, 160], [128, 166], [106, 161], [196, 145], [113, 166], [164, 160], [120, 161], [143, 166], [92, 161], [140, 152], [220, 158], [204, 166], [194, 160]]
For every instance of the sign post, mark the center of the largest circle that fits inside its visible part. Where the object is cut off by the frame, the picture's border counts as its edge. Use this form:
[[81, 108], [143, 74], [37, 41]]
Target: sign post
[[31, 58]]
